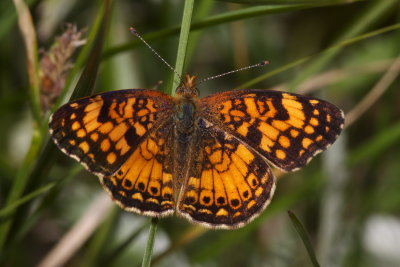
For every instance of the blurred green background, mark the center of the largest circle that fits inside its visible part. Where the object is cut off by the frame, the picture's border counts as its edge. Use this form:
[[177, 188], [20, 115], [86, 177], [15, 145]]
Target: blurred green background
[[52, 212]]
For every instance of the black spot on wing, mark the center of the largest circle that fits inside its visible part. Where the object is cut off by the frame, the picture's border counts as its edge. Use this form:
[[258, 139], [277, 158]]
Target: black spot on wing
[[131, 136], [104, 114]]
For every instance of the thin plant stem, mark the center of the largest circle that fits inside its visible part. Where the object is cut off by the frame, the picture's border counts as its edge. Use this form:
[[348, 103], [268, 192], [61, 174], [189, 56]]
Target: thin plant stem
[[21, 180], [150, 243], [244, 13], [304, 237], [183, 41], [369, 16], [8, 209], [23, 177], [28, 32], [180, 60], [381, 86], [302, 60]]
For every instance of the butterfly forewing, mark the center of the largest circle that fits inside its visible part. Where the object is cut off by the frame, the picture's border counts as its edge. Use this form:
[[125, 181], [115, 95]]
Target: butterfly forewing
[[287, 129], [103, 131]]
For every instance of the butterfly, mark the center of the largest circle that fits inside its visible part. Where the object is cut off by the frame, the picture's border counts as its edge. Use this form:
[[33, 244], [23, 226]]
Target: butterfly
[[207, 159]]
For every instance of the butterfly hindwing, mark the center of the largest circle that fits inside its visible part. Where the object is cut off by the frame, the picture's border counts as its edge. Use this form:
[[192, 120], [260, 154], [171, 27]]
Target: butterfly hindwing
[[103, 130], [228, 184], [287, 129], [144, 183]]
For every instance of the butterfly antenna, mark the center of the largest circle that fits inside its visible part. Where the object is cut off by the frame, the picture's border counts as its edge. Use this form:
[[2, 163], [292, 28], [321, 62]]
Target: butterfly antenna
[[134, 32], [262, 63]]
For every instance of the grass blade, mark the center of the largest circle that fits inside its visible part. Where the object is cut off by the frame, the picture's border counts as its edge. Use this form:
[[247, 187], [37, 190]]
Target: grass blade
[[85, 85], [375, 146], [304, 237], [7, 210], [244, 13], [180, 60], [29, 169], [114, 253], [275, 2], [370, 15], [183, 41], [327, 50], [150, 243], [100, 238], [29, 35]]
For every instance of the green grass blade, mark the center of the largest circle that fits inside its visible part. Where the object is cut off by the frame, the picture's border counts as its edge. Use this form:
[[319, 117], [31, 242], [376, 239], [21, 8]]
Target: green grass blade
[[100, 238], [19, 185], [150, 243], [119, 249], [29, 35], [307, 58], [376, 146], [43, 205], [8, 16], [7, 210], [280, 2], [183, 41], [29, 170], [202, 10], [370, 15], [187, 237], [180, 60], [304, 237], [85, 85], [84, 54], [244, 13]]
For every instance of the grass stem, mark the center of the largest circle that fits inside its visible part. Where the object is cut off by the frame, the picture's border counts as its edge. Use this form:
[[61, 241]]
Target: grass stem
[[150, 243]]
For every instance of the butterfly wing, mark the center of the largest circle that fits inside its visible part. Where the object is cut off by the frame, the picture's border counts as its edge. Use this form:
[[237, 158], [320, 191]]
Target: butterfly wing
[[122, 137], [143, 184], [103, 130], [285, 128], [228, 183]]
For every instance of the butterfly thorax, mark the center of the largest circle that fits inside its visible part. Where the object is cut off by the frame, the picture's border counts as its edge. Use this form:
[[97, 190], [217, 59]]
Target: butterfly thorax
[[185, 106]]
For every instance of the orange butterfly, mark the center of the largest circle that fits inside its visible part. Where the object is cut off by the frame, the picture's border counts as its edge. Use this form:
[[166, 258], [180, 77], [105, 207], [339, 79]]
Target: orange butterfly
[[203, 158]]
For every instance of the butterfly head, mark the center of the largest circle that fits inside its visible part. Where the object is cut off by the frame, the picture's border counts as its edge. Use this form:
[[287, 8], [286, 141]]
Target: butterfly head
[[188, 87]]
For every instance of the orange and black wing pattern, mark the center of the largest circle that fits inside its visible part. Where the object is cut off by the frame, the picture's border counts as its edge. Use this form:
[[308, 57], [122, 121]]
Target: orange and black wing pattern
[[144, 182], [228, 183], [115, 134], [285, 128], [103, 130]]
